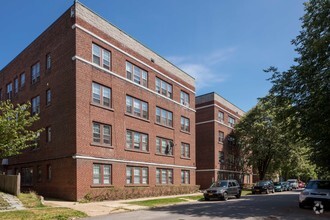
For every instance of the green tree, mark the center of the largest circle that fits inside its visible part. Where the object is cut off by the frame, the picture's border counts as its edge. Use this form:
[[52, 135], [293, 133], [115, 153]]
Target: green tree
[[306, 85], [261, 139], [15, 128]]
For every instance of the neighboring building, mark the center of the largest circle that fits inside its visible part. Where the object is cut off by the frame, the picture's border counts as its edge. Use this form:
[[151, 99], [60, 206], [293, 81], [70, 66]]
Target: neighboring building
[[117, 116], [217, 154]]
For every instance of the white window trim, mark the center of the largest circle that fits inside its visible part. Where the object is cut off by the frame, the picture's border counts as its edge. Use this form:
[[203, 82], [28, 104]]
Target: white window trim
[[212, 105]]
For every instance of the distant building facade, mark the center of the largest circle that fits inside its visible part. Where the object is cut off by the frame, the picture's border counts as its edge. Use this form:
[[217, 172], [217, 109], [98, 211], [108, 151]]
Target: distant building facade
[[217, 154], [116, 114]]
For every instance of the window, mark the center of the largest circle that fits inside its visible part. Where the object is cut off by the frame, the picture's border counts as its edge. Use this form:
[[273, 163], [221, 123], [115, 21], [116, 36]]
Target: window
[[16, 85], [35, 105], [164, 146], [48, 134], [185, 124], [37, 141], [27, 176], [185, 177], [164, 88], [101, 56], [48, 61], [164, 117], [136, 175], [136, 141], [221, 157], [101, 95], [185, 150], [9, 91], [221, 136], [101, 174], [48, 97], [39, 178], [164, 176], [136, 107], [22, 76], [101, 133], [35, 73], [184, 98], [49, 172], [220, 116], [0, 94], [231, 121], [136, 74]]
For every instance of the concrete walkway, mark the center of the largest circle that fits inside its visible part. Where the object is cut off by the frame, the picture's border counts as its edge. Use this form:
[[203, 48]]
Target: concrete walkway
[[106, 207], [13, 201]]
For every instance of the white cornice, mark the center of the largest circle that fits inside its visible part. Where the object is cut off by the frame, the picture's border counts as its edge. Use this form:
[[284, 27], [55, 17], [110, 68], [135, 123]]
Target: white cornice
[[131, 162], [127, 80], [129, 55], [229, 171], [205, 122]]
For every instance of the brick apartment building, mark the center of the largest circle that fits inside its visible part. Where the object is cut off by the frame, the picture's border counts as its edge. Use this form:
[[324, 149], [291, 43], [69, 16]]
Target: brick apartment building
[[217, 155], [119, 119]]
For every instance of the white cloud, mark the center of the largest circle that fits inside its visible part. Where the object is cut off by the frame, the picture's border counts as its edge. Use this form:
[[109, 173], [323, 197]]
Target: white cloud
[[205, 69]]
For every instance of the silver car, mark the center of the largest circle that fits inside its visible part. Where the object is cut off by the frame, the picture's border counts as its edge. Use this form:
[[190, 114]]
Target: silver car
[[223, 189], [316, 191]]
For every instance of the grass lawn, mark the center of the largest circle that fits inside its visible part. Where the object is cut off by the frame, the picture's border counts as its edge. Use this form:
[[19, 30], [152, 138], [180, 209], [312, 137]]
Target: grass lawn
[[174, 200], [36, 210]]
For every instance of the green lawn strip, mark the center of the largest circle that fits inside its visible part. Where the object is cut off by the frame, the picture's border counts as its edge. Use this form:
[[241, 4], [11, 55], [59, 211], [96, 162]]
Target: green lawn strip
[[44, 213], [158, 202], [246, 192], [30, 200]]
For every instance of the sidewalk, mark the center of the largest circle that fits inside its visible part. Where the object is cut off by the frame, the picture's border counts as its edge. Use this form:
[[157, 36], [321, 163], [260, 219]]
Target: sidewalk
[[13, 201], [106, 207]]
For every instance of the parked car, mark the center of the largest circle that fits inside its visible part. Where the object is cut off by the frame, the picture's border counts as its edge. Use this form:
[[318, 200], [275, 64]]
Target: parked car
[[286, 186], [223, 189], [293, 183], [316, 191], [266, 186], [301, 184], [278, 186]]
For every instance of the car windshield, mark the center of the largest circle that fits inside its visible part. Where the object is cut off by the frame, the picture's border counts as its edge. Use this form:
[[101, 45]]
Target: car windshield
[[277, 184], [318, 185], [291, 181], [220, 184], [261, 183]]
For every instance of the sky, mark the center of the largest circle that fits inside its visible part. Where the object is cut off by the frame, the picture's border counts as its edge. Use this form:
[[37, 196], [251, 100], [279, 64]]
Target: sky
[[224, 44]]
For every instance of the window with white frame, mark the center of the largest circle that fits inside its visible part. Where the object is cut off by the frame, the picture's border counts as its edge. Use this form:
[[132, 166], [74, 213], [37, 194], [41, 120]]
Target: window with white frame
[[48, 134], [185, 150], [22, 76], [35, 105], [136, 175], [101, 174], [185, 124], [220, 116], [35, 73], [231, 121], [101, 133], [185, 177], [101, 95], [221, 157], [221, 136], [164, 146], [164, 117], [137, 107], [136, 74], [164, 88], [164, 176], [184, 98], [136, 140], [16, 85], [101, 57], [48, 97], [9, 91], [48, 61]]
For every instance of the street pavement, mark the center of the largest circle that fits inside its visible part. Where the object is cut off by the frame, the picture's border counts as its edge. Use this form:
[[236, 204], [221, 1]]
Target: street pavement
[[273, 206]]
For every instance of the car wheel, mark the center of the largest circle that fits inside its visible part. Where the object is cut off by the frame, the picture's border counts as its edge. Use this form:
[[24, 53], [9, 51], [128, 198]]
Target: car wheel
[[238, 195], [225, 196], [206, 199], [273, 191], [267, 191]]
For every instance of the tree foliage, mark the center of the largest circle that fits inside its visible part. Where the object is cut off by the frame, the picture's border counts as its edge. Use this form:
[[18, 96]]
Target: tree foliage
[[305, 87], [15, 128]]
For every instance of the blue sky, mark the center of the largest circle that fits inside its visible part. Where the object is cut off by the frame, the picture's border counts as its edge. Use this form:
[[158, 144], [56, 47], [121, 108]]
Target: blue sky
[[224, 44]]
